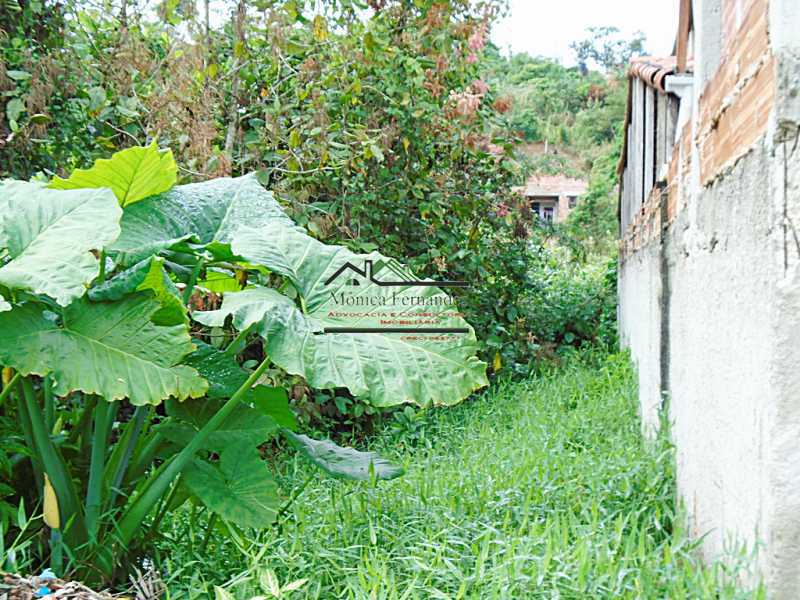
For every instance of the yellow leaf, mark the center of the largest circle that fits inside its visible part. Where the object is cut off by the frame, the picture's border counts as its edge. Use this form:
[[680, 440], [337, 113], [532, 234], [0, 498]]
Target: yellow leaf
[[320, 28], [497, 363], [369, 42], [51, 516], [406, 144], [132, 174], [8, 373]]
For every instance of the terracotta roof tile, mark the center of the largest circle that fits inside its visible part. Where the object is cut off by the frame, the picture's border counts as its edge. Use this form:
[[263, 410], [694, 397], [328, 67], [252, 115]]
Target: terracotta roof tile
[[652, 70], [553, 185]]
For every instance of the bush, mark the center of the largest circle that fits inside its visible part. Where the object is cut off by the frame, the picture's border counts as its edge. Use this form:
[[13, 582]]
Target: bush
[[572, 304], [376, 129]]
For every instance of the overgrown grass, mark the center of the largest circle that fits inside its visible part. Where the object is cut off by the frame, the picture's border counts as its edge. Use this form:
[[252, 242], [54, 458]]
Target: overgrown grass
[[541, 489]]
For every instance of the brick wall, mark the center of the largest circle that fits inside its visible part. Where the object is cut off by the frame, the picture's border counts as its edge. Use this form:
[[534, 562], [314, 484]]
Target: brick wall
[[735, 104], [733, 114], [647, 225]]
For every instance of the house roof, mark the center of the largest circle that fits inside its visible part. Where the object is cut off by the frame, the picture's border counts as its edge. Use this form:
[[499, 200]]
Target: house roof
[[653, 70], [553, 185]]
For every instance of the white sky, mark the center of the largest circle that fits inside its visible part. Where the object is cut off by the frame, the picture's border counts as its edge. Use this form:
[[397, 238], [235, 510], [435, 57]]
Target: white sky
[[546, 27]]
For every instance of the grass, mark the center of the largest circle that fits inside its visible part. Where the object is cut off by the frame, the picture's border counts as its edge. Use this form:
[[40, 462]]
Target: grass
[[540, 489]]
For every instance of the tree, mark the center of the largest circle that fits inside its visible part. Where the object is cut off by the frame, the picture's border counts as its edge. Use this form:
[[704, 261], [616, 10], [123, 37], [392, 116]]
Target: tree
[[606, 48]]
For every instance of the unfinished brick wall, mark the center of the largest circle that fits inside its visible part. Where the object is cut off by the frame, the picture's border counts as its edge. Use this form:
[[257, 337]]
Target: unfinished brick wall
[[735, 104], [734, 109], [650, 220], [709, 281]]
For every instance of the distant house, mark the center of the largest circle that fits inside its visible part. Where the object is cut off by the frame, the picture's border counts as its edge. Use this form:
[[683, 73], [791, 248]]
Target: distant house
[[552, 197]]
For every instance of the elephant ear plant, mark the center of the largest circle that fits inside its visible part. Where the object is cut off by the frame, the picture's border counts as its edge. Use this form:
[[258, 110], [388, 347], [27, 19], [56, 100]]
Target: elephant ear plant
[[130, 402]]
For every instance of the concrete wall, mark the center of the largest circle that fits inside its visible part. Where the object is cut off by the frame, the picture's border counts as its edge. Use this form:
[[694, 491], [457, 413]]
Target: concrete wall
[[709, 289], [641, 272], [563, 208], [782, 539], [720, 352]]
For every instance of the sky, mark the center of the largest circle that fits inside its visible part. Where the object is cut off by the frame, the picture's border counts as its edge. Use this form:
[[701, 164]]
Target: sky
[[546, 27]]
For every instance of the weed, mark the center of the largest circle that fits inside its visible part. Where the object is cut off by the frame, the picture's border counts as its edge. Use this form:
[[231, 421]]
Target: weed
[[538, 489]]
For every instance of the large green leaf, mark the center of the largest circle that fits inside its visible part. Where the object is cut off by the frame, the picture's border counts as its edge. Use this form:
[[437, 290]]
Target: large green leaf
[[49, 235], [132, 174], [386, 367], [273, 402], [244, 424], [225, 376], [206, 213], [239, 488], [112, 349], [344, 463], [148, 274], [223, 373], [247, 308]]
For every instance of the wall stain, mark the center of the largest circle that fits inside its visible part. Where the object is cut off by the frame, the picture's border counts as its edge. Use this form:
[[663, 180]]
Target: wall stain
[[788, 224]]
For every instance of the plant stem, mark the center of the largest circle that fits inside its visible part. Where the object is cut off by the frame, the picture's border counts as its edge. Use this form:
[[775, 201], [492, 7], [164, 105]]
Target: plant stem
[[178, 269], [163, 507], [149, 497], [130, 443], [49, 403], [187, 293], [101, 276], [7, 390], [144, 457], [56, 554], [27, 430], [212, 520], [54, 466], [233, 347], [81, 429], [295, 495], [94, 490]]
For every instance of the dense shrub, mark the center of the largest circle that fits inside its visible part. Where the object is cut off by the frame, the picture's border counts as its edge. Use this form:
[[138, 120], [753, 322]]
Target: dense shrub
[[574, 304], [375, 129]]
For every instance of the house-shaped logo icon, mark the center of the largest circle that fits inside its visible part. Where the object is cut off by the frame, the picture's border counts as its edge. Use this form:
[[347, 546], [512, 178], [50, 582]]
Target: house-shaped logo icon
[[368, 274]]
